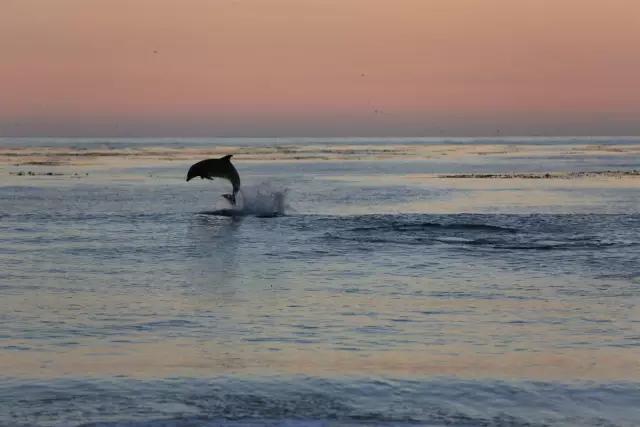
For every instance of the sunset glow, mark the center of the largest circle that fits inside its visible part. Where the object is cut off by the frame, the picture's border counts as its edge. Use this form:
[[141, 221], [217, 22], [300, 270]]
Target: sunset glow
[[319, 67]]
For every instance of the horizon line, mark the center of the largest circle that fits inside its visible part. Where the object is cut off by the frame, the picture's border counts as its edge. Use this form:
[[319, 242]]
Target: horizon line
[[319, 137]]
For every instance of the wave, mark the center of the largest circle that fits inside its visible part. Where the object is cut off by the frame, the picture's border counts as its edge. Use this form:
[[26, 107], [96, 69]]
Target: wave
[[259, 148], [495, 232], [303, 401], [400, 226], [422, 241], [490, 243]]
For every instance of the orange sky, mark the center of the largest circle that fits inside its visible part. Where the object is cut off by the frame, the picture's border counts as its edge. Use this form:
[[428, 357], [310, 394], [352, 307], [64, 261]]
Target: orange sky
[[319, 67]]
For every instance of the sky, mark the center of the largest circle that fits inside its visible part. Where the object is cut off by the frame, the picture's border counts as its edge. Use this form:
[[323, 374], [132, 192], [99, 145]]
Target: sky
[[319, 67]]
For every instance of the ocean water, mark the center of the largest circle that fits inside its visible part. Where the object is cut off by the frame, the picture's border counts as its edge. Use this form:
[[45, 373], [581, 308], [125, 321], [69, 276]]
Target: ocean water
[[360, 283]]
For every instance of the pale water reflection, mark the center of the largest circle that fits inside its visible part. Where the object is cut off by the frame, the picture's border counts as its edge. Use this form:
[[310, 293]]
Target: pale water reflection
[[381, 272]]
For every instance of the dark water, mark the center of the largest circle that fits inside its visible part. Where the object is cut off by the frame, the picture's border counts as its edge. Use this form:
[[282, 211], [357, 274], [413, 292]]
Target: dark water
[[375, 297], [315, 402]]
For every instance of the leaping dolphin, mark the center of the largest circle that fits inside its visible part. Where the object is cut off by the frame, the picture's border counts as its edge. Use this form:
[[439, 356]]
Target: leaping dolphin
[[217, 168]]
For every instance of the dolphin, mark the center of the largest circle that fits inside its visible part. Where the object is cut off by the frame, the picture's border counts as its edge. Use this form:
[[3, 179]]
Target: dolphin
[[217, 168]]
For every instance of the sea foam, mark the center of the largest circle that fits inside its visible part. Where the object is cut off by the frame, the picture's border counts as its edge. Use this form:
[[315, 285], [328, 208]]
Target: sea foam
[[263, 200]]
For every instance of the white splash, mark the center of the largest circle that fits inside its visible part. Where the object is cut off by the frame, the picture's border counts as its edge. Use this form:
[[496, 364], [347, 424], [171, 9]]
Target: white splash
[[261, 200]]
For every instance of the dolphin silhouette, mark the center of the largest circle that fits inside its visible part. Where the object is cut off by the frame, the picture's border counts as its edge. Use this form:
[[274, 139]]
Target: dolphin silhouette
[[217, 168]]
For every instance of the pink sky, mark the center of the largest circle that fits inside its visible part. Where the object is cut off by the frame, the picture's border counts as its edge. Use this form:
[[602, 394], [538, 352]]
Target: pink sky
[[319, 67]]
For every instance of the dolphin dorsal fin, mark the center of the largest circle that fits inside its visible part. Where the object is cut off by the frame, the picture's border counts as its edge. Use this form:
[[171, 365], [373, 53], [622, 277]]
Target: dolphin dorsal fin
[[227, 157]]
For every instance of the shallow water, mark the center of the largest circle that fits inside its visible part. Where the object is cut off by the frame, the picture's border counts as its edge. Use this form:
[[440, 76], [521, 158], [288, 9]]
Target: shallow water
[[375, 293]]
